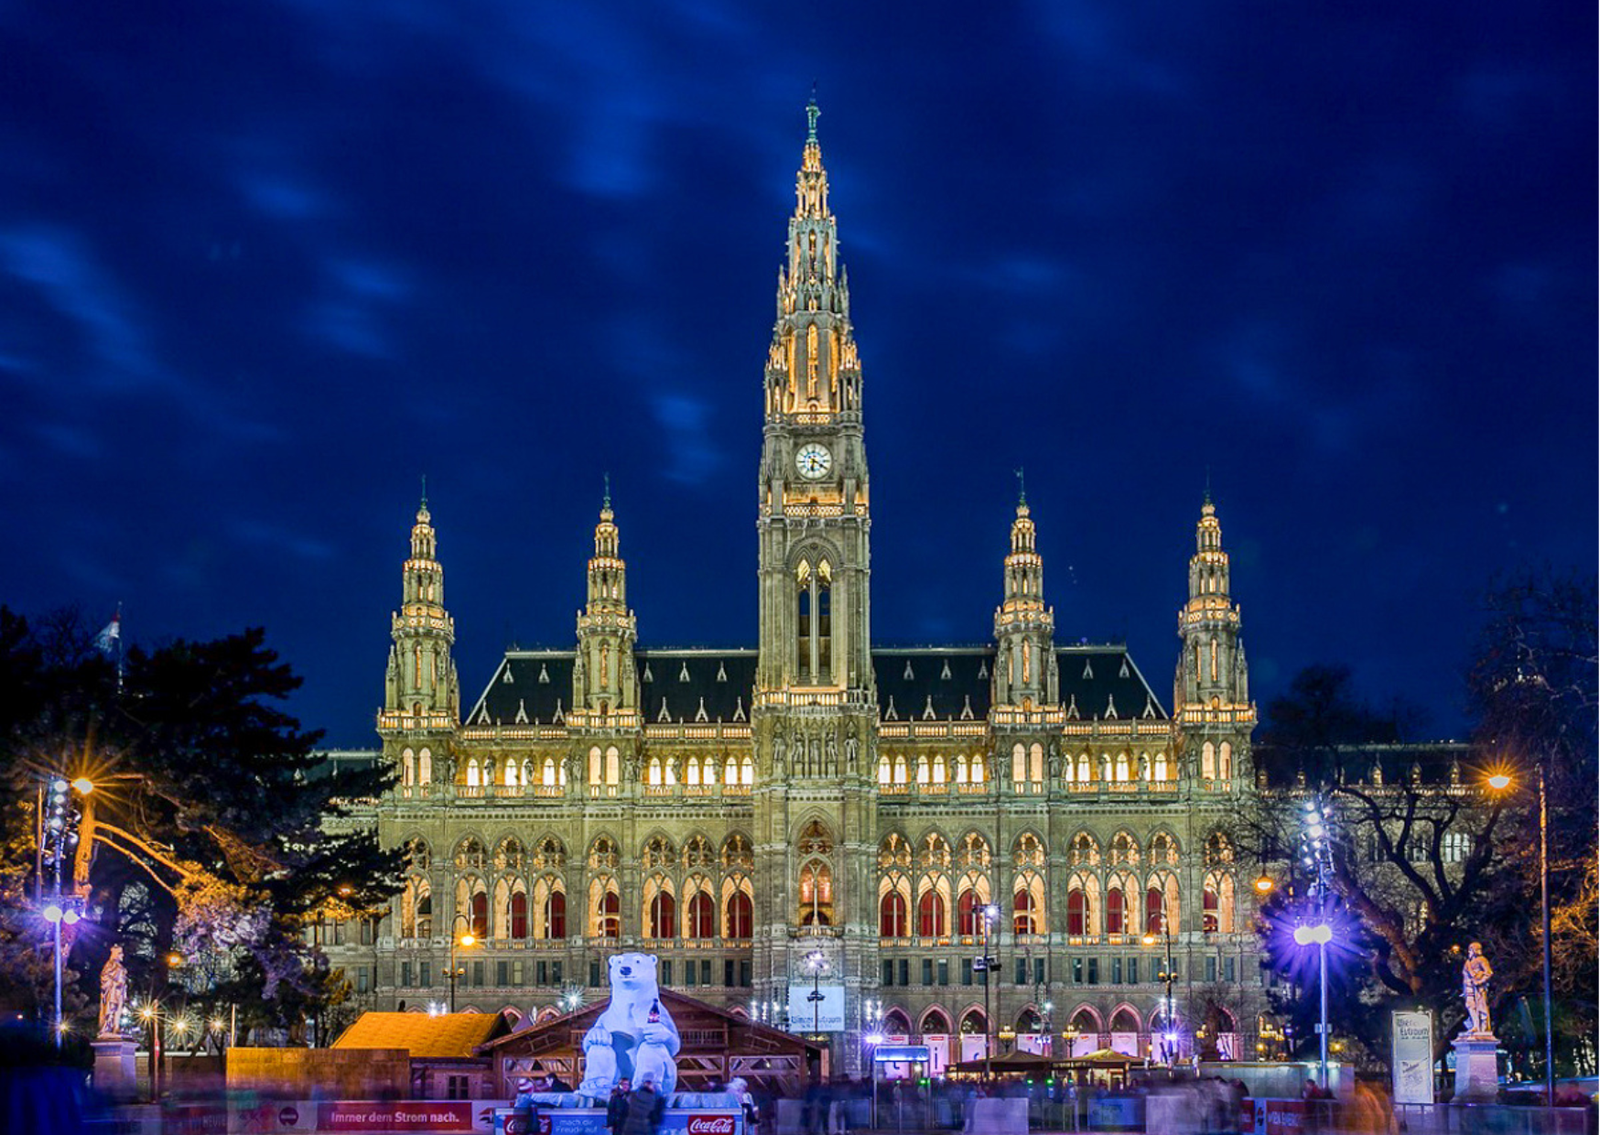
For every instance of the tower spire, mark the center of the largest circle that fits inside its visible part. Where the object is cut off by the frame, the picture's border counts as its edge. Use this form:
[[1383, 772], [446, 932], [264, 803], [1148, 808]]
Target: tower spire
[[1212, 690], [421, 690], [812, 366], [1024, 672], [603, 679]]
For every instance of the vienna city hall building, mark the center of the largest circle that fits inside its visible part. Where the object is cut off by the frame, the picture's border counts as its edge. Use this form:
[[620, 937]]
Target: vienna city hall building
[[816, 813]]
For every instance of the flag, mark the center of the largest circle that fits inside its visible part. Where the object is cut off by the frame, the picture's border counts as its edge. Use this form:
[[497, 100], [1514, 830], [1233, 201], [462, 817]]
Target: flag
[[109, 638]]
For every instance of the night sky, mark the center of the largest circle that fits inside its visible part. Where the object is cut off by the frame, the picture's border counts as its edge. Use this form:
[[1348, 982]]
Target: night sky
[[262, 266]]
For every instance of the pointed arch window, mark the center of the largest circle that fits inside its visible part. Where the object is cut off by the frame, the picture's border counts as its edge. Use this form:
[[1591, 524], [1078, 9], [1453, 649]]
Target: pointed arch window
[[1116, 910], [816, 876], [701, 921], [1077, 912], [741, 913], [892, 915], [814, 622], [613, 767], [519, 914], [1225, 761], [1208, 761]]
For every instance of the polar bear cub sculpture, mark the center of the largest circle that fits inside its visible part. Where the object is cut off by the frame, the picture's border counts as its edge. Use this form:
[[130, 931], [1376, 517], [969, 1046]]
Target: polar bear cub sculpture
[[624, 1041]]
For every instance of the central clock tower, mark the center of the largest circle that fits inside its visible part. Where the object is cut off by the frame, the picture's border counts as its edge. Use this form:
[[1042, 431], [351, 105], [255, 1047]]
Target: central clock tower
[[814, 721], [813, 484]]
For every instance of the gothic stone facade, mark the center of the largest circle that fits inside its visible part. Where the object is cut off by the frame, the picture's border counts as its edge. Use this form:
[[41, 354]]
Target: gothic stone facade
[[738, 812]]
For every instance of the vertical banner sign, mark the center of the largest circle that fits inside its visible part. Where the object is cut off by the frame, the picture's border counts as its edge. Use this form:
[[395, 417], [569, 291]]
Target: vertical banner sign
[[1412, 1057]]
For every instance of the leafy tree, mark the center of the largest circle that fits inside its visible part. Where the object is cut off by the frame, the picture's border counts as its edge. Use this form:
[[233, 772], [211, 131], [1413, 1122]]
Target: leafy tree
[[206, 829], [1533, 692], [1414, 860]]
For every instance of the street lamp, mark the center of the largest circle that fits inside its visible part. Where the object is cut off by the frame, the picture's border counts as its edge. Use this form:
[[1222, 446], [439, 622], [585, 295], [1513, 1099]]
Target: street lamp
[[56, 834], [816, 962], [1169, 1037], [1500, 780], [465, 941], [1315, 852], [991, 915]]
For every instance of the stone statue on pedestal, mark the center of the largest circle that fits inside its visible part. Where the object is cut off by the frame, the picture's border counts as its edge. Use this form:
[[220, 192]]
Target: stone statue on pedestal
[[113, 994], [1475, 975]]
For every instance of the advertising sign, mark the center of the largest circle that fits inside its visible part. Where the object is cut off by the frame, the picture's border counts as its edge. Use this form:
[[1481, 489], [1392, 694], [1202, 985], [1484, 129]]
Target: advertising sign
[[389, 1117], [676, 1121], [1412, 1056], [824, 1016]]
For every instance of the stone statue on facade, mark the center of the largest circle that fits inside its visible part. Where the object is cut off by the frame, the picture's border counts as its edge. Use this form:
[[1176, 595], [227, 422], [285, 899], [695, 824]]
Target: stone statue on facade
[[1475, 975], [113, 994]]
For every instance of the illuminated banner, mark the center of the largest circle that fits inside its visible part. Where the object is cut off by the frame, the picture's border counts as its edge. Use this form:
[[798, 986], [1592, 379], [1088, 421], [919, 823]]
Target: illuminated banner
[[1411, 1057], [824, 1016]]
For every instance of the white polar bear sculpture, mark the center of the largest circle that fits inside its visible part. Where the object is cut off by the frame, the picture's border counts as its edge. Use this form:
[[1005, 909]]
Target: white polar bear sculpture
[[624, 1041]]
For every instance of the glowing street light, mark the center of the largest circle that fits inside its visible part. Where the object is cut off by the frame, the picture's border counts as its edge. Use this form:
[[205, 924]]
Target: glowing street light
[[1500, 780], [466, 941]]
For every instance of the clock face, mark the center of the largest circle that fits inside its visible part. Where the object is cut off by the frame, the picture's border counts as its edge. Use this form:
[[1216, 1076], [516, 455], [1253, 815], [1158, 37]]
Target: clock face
[[813, 461]]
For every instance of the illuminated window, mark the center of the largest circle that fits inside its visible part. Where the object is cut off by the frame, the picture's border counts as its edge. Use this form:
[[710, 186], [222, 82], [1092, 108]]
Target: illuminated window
[[892, 915]]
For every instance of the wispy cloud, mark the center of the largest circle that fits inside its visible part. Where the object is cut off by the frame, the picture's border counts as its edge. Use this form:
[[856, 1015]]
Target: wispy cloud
[[61, 266], [692, 456]]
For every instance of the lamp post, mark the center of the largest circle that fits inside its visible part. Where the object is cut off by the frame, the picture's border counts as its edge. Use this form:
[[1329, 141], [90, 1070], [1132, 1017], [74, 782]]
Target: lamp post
[[1169, 1037], [991, 915], [816, 962], [1315, 842], [1500, 781], [57, 832], [465, 940]]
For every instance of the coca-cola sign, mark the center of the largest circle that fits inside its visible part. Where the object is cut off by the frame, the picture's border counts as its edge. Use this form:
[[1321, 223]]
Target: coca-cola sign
[[709, 1125]]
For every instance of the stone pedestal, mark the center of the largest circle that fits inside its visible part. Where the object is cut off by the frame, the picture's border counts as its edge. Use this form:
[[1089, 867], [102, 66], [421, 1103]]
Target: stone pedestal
[[1477, 1074], [114, 1070]]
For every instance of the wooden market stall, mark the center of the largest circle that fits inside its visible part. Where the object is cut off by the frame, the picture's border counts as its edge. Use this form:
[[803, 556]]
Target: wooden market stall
[[717, 1047]]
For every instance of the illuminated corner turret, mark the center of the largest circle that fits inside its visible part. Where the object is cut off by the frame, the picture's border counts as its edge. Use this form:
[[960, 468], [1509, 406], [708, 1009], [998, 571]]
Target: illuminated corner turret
[[1024, 628], [813, 373], [421, 692], [1212, 689], [604, 682]]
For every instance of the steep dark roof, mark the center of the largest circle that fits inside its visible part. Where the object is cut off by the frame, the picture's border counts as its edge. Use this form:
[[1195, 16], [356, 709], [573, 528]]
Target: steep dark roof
[[685, 686], [925, 683], [943, 683], [1103, 682], [532, 687]]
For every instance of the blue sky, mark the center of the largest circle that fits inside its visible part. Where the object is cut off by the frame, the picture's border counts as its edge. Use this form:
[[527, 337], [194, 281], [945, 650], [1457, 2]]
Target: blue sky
[[263, 265]]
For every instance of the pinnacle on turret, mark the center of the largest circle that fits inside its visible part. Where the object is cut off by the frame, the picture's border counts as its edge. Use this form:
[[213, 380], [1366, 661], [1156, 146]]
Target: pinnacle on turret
[[603, 676], [1023, 626], [421, 691]]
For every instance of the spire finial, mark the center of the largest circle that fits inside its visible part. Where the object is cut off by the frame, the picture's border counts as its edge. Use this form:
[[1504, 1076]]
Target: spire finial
[[812, 113], [424, 490], [606, 503], [1206, 503], [1022, 488]]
